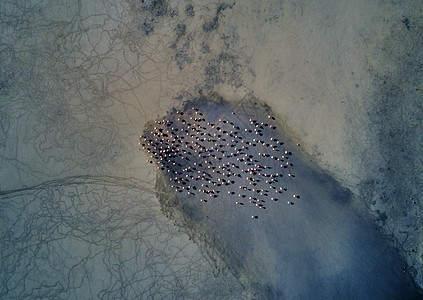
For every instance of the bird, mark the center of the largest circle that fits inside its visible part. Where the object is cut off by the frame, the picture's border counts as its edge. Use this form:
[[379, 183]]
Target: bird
[[226, 159]]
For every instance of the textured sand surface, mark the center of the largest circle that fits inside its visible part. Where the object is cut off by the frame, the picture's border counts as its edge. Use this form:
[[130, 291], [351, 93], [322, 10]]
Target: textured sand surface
[[80, 214]]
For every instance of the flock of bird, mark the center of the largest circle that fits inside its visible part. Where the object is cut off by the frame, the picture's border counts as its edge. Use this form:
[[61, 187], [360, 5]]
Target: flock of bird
[[229, 157]]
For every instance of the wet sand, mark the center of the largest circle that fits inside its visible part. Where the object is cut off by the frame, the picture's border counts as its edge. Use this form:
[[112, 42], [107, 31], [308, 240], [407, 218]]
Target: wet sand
[[324, 246]]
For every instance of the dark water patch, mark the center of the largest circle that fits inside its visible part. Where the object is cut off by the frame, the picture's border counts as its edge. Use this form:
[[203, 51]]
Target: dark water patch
[[322, 247], [180, 30], [182, 59], [149, 13], [211, 25], [156, 8], [189, 10]]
